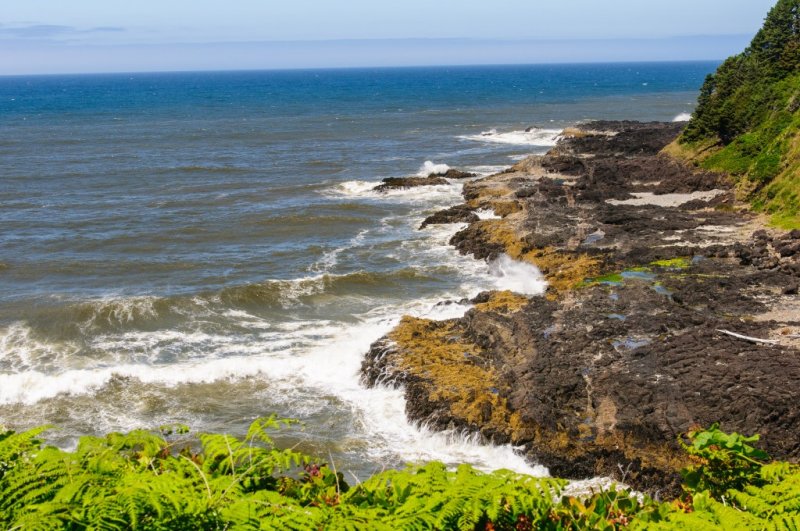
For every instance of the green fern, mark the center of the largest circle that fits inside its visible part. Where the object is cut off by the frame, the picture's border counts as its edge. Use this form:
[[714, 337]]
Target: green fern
[[143, 480]]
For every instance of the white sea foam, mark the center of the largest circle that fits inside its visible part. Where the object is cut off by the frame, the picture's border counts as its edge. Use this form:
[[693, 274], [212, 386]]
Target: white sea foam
[[683, 117], [331, 366], [487, 170], [20, 350], [435, 194], [430, 168], [354, 188], [534, 137], [300, 360], [517, 276], [486, 214], [330, 258]]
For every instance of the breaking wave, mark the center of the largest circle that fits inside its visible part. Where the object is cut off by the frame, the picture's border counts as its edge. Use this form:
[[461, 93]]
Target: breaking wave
[[532, 137], [429, 168]]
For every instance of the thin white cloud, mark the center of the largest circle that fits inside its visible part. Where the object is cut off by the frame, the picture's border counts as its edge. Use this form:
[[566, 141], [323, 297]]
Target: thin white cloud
[[52, 31]]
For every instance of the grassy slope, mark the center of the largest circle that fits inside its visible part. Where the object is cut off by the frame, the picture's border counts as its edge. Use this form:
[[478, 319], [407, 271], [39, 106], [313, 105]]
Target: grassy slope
[[765, 161], [747, 123]]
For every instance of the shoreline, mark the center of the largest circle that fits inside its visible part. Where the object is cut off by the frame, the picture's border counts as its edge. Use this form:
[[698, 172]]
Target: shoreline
[[646, 260]]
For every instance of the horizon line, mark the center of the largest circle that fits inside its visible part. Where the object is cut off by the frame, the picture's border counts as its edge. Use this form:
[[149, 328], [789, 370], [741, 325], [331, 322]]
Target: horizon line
[[366, 67]]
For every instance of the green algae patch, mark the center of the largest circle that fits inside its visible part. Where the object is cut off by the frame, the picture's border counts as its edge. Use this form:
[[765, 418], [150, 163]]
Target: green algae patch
[[611, 278], [454, 370], [645, 273], [673, 263], [615, 279]]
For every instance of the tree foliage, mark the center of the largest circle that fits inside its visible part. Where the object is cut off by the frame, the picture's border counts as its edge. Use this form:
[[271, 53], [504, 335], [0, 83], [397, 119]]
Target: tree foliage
[[746, 89], [747, 121]]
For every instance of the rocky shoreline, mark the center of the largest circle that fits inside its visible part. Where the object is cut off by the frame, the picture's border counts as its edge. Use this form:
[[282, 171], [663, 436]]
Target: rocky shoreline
[[652, 265]]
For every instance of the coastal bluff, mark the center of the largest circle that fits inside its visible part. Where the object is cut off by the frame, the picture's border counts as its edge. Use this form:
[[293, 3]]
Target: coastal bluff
[[670, 306]]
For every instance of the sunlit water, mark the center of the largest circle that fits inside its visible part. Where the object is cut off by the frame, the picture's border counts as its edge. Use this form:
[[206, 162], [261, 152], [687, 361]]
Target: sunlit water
[[207, 248]]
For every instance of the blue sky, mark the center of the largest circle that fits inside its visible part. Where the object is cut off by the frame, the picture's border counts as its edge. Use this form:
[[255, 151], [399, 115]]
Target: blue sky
[[52, 36]]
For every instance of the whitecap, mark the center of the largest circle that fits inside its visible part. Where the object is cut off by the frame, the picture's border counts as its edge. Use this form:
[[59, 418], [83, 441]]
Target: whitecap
[[433, 194], [21, 350], [355, 188], [307, 355], [532, 137]]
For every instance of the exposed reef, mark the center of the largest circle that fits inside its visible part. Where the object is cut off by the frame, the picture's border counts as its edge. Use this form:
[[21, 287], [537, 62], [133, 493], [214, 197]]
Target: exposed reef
[[650, 264], [393, 183], [453, 173]]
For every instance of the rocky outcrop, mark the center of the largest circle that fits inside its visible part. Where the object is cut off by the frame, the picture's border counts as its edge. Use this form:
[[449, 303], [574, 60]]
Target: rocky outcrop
[[393, 183], [650, 264], [453, 173], [455, 214]]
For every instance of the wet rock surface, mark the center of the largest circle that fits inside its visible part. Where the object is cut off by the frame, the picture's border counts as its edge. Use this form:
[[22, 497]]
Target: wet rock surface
[[456, 214], [453, 173], [651, 264], [393, 183]]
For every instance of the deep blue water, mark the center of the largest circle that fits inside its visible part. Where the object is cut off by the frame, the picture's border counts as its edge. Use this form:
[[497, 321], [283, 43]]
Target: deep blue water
[[205, 248], [319, 93]]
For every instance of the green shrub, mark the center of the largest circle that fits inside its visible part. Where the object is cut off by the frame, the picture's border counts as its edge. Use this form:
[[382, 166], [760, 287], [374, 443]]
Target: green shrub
[[143, 480]]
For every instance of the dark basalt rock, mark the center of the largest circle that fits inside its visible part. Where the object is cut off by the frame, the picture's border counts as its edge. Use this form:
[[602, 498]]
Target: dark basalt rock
[[453, 173], [455, 214], [392, 183], [766, 252], [606, 378], [622, 139], [473, 241]]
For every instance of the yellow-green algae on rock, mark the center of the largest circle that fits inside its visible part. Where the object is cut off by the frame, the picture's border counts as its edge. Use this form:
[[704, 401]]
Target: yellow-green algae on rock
[[437, 352]]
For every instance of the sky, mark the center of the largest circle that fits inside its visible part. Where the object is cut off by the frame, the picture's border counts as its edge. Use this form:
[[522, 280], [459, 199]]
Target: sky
[[54, 36]]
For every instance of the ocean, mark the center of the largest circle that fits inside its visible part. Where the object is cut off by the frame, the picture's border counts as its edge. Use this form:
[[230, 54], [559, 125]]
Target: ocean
[[206, 248]]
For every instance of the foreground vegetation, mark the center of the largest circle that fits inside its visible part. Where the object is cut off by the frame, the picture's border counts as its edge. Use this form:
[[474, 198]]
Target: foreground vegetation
[[143, 480], [747, 122]]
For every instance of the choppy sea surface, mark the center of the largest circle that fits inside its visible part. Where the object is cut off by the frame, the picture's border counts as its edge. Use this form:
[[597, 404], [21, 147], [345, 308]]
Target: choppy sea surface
[[206, 248]]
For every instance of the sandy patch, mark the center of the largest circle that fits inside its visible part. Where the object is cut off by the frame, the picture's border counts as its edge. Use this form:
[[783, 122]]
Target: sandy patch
[[665, 200]]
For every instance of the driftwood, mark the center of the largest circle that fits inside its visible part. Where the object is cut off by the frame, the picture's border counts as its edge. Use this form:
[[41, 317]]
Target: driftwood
[[749, 338]]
